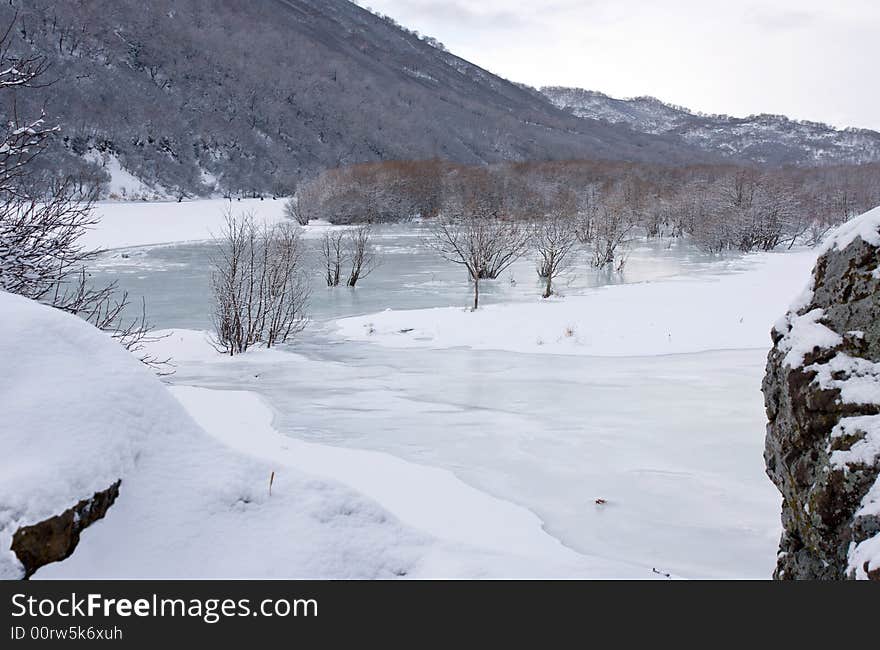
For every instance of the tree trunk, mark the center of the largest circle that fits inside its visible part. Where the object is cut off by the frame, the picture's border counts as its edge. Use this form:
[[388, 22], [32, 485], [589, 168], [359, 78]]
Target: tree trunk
[[476, 292], [548, 291]]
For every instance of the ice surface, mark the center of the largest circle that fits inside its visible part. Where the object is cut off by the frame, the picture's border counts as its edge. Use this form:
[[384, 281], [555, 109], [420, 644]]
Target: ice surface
[[194, 500], [671, 442], [730, 311]]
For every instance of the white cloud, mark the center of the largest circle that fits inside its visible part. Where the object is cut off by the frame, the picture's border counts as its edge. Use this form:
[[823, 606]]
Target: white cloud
[[809, 59]]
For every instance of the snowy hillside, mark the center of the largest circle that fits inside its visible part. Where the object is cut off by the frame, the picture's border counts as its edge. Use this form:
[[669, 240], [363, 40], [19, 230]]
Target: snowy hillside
[[254, 96], [772, 139]]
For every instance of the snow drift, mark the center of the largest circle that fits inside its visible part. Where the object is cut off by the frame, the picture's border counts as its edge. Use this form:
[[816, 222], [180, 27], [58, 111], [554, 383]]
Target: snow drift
[[81, 413]]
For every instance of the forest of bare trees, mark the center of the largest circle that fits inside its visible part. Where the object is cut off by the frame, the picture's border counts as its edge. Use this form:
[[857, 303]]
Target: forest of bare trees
[[486, 217], [717, 207]]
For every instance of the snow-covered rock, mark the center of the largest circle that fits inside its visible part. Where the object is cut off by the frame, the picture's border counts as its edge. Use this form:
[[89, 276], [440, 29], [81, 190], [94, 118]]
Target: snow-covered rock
[[822, 394]]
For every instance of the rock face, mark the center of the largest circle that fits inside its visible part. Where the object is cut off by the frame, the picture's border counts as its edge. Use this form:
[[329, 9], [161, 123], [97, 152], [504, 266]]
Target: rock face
[[822, 396], [55, 539]]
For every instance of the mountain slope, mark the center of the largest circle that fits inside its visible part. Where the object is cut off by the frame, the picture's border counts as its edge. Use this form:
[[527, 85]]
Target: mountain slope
[[764, 139], [191, 94]]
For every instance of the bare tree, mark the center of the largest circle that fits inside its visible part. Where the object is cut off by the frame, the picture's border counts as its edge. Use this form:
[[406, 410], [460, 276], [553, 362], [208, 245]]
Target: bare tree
[[334, 255], [292, 212], [260, 293], [555, 237], [586, 215], [287, 289], [611, 234], [361, 252], [484, 246], [42, 223]]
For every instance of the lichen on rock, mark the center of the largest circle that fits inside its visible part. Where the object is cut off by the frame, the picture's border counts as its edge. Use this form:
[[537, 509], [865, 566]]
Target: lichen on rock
[[822, 396]]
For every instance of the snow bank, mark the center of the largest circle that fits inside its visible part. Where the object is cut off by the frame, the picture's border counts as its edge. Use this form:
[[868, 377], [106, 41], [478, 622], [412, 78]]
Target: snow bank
[[124, 225], [80, 413], [62, 440], [730, 311], [866, 226]]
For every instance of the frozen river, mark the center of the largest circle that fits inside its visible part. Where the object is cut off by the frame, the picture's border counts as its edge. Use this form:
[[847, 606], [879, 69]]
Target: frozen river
[[672, 443], [175, 279]]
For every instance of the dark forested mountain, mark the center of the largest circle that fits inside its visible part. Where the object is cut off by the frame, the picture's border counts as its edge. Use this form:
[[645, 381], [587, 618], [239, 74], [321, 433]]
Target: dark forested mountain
[[190, 97], [764, 139], [193, 95]]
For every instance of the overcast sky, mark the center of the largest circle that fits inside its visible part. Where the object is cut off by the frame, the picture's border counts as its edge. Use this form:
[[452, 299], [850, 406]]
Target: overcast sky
[[803, 58]]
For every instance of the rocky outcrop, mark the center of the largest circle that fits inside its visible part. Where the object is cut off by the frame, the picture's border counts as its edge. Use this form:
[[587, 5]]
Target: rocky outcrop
[[55, 538], [822, 396]]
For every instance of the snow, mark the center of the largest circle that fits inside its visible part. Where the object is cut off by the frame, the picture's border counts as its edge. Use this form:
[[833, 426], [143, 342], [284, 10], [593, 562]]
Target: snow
[[152, 223], [732, 311], [805, 334], [867, 553], [194, 500], [124, 225], [866, 451], [412, 454], [123, 184], [428, 499], [866, 226], [56, 454], [858, 380]]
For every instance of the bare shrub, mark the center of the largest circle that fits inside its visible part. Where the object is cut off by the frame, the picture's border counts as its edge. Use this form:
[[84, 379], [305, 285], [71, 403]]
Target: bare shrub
[[485, 246], [612, 233], [260, 292], [361, 253], [42, 223], [292, 212], [554, 238], [333, 252]]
